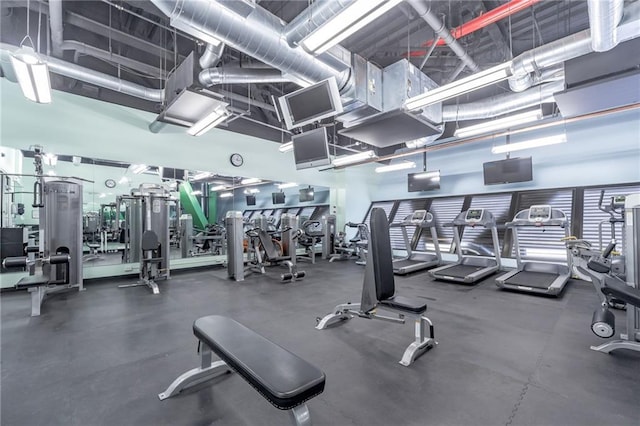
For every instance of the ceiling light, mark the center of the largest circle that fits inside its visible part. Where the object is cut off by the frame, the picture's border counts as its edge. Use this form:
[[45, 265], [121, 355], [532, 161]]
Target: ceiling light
[[532, 143], [217, 188], [349, 20], [209, 121], [123, 180], [286, 147], [501, 123], [50, 159], [249, 181], [398, 166], [196, 192], [348, 159], [32, 74], [76, 160], [251, 191], [226, 195], [428, 175], [459, 87], [286, 185], [138, 168], [201, 175]]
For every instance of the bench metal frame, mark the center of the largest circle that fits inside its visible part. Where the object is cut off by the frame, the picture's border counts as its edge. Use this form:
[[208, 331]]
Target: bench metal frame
[[419, 346], [209, 370], [40, 293]]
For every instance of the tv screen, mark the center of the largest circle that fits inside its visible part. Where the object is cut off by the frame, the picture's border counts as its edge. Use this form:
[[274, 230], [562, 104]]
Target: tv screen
[[251, 200], [277, 197], [423, 181], [306, 194], [508, 171], [311, 104], [171, 173], [311, 149]]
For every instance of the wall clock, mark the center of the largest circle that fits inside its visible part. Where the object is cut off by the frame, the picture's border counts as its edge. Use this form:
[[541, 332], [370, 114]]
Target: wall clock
[[236, 160], [110, 183]]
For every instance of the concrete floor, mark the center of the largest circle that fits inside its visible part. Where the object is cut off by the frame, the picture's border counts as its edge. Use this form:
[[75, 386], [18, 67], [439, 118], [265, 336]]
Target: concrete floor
[[101, 357]]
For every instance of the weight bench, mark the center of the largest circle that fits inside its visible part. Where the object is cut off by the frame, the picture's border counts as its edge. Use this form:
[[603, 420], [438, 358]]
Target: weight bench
[[378, 293], [284, 379], [271, 257]]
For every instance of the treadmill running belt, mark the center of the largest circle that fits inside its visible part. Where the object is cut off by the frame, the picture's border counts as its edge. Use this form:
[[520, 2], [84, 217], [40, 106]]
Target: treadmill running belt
[[460, 271], [532, 279], [397, 264]]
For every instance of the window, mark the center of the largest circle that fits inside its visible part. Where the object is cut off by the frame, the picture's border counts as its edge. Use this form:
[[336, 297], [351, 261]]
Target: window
[[319, 212], [387, 206], [444, 210], [405, 208], [478, 240], [305, 213]]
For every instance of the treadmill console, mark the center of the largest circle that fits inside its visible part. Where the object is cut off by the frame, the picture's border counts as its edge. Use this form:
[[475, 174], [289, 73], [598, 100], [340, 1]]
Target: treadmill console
[[618, 201], [474, 215], [418, 216], [540, 213]]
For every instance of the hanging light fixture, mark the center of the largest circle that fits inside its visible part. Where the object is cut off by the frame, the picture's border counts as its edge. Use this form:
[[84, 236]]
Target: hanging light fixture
[[32, 73]]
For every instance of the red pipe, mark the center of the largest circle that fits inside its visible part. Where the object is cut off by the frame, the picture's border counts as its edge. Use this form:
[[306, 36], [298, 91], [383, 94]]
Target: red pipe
[[494, 15]]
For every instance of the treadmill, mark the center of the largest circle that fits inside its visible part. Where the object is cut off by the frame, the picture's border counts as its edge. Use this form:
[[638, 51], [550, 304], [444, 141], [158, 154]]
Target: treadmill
[[537, 276], [417, 260], [469, 269]]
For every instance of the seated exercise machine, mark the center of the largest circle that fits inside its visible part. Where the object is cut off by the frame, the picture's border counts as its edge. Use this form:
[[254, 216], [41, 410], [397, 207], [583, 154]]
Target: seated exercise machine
[[536, 276], [355, 247], [470, 269], [281, 377], [610, 286], [378, 294], [312, 234], [262, 250], [417, 260]]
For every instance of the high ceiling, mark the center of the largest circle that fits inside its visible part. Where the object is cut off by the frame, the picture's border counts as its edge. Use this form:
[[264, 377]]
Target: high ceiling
[[134, 41]]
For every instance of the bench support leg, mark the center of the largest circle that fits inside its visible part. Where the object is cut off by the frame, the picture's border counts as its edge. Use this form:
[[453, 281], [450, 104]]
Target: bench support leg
[[341, 313], [149, 283], [37, 296], [617, 344], [422, 343], [207, 371], [300, 415]]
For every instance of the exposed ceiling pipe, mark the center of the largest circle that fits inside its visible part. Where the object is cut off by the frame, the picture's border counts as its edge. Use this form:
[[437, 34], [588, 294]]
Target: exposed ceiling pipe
[[67, 69], [604, 17], [258, 35], [89, 50], [311, 18], [213, 76], [424, 11], [502, 104], [55, 22], [211, 56]]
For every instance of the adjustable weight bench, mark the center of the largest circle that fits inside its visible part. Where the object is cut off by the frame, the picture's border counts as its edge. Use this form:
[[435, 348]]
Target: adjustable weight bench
[[284, 379], [378, 293]]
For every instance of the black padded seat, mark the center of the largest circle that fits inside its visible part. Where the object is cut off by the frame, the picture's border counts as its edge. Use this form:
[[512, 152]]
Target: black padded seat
[[405, 304], [32, 281], [282, 377], [622, 291]]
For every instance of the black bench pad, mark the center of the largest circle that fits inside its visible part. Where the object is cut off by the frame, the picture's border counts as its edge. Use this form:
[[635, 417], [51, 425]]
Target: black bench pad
[[405, 304], [283, 378], [32, 281], [621, 291]]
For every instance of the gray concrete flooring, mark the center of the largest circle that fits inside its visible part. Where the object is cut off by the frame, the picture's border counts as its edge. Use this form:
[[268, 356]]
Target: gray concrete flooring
[[101, 357]]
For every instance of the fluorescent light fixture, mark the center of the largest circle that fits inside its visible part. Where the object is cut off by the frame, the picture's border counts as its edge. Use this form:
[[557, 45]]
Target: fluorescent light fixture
[[434, 174], [286, 185], [416, 143], [202, 175], [286, 147], [348, 159], [251, 191], [50, 159], [349, 20], [249, 181], [226, 195], [197, 192], [398, 166], [532, 143], [217, 188], [459, 87], [209, 121], [76, 160], [501, 123], [32, 75], [123, 180], [138, 168]]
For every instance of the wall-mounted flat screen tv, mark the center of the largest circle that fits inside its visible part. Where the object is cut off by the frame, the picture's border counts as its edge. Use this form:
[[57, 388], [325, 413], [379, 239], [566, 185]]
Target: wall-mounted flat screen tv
[[311, 103], [277, 197], [306, 195], [423, 181], [508, 171], [311, 149], [251, 200]]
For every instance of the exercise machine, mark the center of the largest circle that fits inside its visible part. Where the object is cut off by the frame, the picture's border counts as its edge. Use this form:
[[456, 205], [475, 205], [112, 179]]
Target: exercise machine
[[147, 233], [378, 294], [469, 269], [312, 234], [355, 247], [329, 237], [610, 286], [417, 260], [537, 277]]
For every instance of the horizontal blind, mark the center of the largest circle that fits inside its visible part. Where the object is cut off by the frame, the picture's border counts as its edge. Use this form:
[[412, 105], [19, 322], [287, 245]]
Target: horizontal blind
[[544, 243], [593, 216], [444, 210], [384, 205], [319, 212], [478, 239], [267, 212], [305, 213], [405, 208]]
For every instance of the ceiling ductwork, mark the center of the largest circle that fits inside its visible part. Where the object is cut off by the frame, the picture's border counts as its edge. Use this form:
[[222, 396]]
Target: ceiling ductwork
[[214, 76], [211, 56], [604, 17], [311, 18]]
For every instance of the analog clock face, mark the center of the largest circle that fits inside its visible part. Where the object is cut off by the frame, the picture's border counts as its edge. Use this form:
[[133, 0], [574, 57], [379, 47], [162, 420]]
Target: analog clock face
[[110, 183], [236, 160]]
